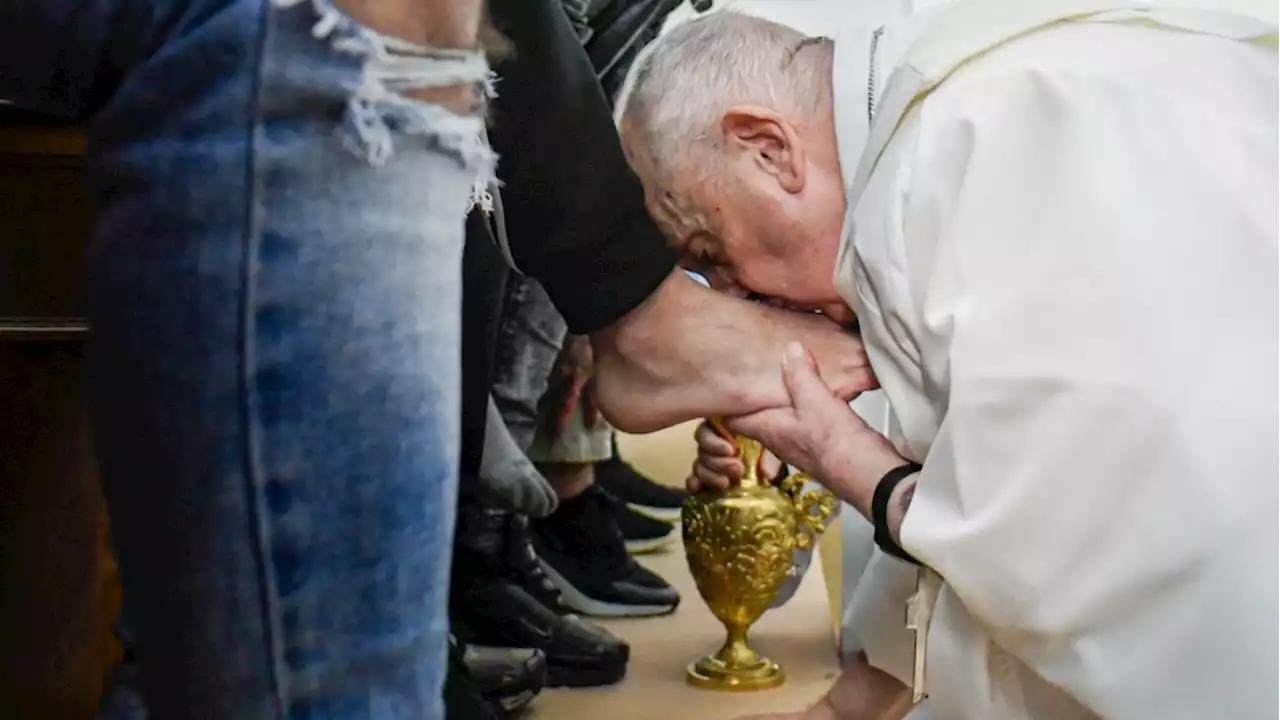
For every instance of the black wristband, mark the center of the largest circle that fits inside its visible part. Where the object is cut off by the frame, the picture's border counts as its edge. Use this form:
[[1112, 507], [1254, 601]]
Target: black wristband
[[880, 510]]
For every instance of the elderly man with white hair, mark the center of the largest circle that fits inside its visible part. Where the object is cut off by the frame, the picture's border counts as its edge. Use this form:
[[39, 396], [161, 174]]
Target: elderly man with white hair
[[1054, 223]]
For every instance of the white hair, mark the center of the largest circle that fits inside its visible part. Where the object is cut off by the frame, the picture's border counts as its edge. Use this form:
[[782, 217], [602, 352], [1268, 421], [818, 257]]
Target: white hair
[[681, 84]]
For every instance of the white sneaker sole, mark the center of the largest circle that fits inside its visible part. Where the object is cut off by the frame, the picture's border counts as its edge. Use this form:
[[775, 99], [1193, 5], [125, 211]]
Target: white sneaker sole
[[642, 547], [577, 601], [666, 515]]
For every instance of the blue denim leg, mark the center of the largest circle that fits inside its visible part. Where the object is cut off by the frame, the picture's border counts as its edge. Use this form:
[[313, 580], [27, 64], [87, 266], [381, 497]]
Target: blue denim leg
[[274, 358]]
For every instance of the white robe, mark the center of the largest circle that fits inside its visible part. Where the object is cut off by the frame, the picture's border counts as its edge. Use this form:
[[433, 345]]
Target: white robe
[[1062, 248]]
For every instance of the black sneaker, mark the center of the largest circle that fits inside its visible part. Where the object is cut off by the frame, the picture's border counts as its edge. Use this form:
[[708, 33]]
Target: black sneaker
[[645, 577], [579, 654], [583, 553], [637, 491], [641, 532], [462, 698], [508, 678], [501, 598]]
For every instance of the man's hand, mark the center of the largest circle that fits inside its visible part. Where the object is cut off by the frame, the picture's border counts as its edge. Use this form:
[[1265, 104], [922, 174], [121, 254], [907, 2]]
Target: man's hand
[[717, 466], [820, 435], [572, 385]]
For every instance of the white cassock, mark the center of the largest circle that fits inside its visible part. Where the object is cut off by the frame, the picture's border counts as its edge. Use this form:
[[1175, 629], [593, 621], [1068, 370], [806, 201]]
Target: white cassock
[[1062, 248]]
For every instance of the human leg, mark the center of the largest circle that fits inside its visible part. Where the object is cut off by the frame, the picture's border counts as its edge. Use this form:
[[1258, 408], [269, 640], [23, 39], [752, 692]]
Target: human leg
[[583, 546], [572, 462], [580, 545], [501, 595], [279, 470], [532, 337], [568, 459], [508, 479]]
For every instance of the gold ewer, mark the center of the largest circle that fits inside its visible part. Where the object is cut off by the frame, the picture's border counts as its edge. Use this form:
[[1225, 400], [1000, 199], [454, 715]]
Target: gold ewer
[[740, 544]]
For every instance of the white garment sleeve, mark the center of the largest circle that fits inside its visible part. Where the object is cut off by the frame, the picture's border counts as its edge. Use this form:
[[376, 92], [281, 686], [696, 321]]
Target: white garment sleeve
[[1093, 263]]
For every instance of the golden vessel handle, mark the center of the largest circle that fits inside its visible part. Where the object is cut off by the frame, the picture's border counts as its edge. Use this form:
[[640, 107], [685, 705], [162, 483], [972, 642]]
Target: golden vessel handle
[[813, 508]]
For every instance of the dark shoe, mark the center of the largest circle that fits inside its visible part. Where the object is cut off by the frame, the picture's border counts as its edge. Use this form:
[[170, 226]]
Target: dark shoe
[[642, 533], [645, 577], [509, 678], [500, 597], [639, 492], [462, 697], [584, 554], [496, 544], [500, 613]]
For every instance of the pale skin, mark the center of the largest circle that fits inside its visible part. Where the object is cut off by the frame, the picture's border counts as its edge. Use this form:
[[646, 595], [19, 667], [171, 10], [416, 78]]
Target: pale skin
[[432, 23], [861, 693], [689, 352], [666, 362], [817, 433]]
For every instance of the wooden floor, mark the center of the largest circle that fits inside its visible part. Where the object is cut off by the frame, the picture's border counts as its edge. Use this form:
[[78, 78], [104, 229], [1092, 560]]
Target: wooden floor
[[798, 635]]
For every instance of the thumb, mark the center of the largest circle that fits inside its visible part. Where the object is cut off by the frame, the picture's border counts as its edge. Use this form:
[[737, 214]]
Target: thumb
[[800, 374]]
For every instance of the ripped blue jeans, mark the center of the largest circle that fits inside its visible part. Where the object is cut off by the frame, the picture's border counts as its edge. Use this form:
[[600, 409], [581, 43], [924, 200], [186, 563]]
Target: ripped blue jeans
[[274, 349]]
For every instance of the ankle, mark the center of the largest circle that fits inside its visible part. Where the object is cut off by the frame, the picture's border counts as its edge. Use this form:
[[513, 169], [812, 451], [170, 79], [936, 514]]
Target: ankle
[[569, 480]]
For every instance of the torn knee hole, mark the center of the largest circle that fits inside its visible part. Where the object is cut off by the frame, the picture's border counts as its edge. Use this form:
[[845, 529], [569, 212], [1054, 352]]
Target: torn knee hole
[[462, 99], [406, 90]]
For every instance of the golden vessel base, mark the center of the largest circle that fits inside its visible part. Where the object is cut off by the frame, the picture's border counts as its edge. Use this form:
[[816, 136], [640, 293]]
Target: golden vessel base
[[711, 674]]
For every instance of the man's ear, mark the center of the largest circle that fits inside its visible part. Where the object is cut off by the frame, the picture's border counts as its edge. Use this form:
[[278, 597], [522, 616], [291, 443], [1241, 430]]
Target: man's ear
[[771, 140]]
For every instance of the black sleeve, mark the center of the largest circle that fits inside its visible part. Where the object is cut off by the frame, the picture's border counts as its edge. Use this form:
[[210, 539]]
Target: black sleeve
[[574, 211], [484, 283]]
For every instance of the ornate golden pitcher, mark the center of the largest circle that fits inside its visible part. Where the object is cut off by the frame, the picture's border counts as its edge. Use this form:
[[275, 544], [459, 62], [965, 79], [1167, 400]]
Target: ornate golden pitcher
[[740, 545]]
